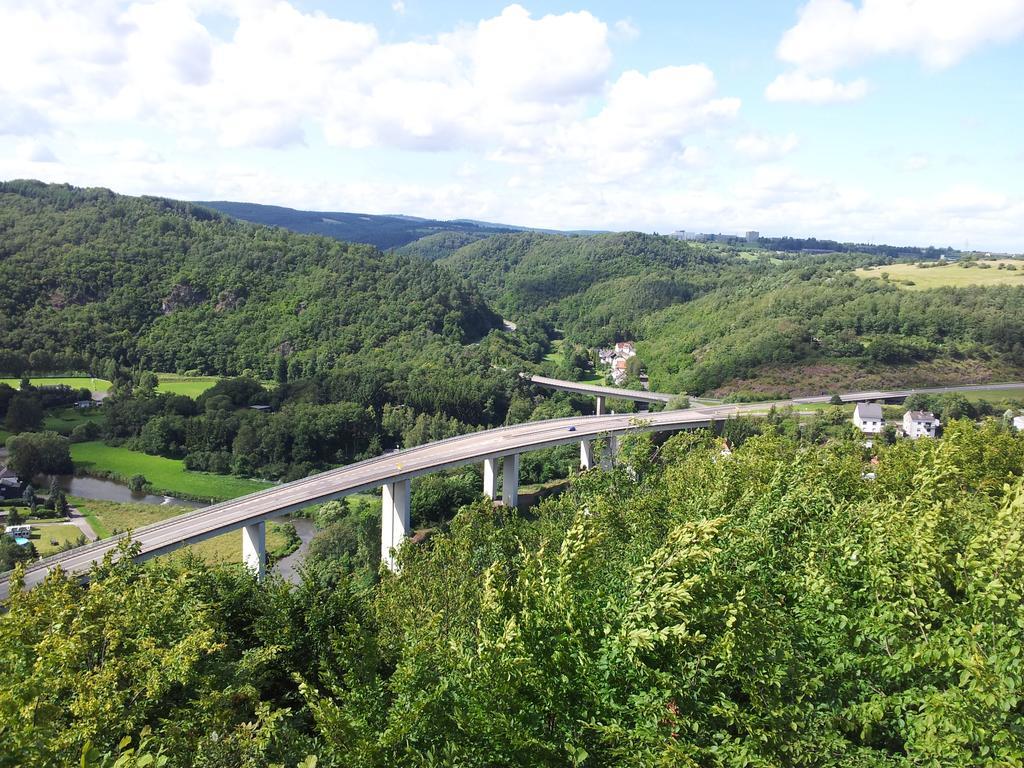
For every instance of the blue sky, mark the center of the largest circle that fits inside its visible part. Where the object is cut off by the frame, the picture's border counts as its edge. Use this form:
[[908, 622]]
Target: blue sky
[[866, 120]]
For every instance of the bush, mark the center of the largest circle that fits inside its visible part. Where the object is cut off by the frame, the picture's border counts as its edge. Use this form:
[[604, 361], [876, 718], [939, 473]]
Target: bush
[[84, 432]]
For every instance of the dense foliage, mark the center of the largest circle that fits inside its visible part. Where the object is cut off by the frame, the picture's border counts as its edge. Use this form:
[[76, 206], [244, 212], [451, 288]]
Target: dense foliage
[[771, 607], [440, 244], [172, 287], [597, 287], [811, 314]]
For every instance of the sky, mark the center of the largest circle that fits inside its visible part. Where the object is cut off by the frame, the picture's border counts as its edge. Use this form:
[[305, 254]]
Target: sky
[[898, 121]]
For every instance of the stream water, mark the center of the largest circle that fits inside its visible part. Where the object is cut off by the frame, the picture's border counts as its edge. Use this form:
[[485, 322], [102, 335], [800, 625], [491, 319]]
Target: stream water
[[107, 490]]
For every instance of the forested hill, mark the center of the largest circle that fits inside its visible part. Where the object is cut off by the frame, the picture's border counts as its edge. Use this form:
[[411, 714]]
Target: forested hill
[[745, 321], [595, 286], [172, 286], [382, 231]]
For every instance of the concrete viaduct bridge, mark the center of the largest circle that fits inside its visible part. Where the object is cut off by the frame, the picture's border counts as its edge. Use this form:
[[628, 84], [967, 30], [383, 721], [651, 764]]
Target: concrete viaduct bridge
[[393, 472]]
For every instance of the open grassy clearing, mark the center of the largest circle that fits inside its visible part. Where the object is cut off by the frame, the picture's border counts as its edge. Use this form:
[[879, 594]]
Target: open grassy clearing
[[192, 386], [948, 274], [164, 475], [63, 534], [1010, 396], [110, 517], [75, 382], [64, 420]]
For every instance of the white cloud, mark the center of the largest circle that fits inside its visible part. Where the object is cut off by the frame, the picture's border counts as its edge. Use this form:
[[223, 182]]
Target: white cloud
[[916, 162], [513, 86], [647, 122], [831, 34], [799, 86], [398, 7], [626, 30], [757, 146]]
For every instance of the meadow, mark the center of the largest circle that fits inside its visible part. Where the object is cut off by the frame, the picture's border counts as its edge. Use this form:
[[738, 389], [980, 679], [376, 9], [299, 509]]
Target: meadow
[[163, 475], [63, 420], [192, 386], [62, 534], [75, 382], [913, 277], [110, 517]]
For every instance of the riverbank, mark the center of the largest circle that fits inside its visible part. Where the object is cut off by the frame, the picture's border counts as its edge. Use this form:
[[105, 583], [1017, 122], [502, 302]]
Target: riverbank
[[163, 475]]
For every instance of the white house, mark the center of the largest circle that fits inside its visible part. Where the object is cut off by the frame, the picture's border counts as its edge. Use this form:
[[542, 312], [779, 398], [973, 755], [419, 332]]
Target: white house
[[1018, 423], [625, 349], [867, 417], [919, 424]]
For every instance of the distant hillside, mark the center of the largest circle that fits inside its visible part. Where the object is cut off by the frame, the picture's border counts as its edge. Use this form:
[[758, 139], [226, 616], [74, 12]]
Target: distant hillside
[[598, 287], [715, 318], [440, 244], [382, 231], [173, 286]]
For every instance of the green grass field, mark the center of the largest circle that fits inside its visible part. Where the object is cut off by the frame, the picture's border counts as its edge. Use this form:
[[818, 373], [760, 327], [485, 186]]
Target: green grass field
[[947, 275], [192, 386], [164, 475], [110, 517], [62, 534], [996, 395], [75, 382], [64, 420]]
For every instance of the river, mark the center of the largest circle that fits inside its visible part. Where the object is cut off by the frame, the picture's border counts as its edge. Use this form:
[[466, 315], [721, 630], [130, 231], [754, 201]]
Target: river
[[107, 490]]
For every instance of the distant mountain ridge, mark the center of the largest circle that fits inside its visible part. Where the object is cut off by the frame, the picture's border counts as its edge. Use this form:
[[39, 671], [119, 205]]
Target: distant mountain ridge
[[384, 231]]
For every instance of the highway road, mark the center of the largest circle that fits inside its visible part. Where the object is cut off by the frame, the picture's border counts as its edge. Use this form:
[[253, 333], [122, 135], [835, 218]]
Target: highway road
[[201, 524], [640, 396], [173, 533]]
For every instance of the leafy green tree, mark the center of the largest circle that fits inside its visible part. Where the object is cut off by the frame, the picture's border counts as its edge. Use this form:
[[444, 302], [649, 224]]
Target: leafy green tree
[[34, 453], [24, 413]]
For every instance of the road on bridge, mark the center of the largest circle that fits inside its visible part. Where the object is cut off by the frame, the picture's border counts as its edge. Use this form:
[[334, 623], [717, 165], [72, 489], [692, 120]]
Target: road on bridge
[[201, 524]]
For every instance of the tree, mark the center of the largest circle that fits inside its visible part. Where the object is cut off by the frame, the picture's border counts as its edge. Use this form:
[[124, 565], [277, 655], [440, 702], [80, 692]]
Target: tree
[[835, 400], [24, 412], [678, 403], [35, 453], [28, 495], [148, 382]]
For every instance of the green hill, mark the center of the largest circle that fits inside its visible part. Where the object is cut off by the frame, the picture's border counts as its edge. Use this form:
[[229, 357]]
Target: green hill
[[733, 320], [174, 287], [595, 286], [440, 244]]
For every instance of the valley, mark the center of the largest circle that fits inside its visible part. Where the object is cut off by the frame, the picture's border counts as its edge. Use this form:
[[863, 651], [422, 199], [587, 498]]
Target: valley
[[234, 359]]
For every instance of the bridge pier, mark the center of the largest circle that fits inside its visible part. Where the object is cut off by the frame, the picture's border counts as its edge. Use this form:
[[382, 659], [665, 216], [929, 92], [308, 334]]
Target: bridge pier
[[586, 454], [394, 519], [491, 478], [510, 480], [254, 548], [600, 409]]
